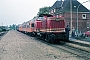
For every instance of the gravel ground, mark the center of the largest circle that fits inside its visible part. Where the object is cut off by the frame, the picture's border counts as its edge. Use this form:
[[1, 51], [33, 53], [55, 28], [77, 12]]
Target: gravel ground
[[17, 46]]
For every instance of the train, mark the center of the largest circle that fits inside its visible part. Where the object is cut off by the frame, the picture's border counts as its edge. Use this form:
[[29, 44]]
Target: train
[[47, 27]]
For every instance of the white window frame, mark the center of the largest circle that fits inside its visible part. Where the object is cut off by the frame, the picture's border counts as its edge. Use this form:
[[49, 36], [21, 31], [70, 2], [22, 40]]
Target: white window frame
[[84, 16], [88, 24], [54, 10], [51, 11]]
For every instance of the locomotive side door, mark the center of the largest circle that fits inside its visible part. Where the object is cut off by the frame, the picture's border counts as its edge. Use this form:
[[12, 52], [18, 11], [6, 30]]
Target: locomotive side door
[[44, 24]]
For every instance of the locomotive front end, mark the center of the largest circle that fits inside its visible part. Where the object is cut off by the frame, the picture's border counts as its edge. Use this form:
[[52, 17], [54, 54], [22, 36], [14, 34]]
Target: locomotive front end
[[56, 29]]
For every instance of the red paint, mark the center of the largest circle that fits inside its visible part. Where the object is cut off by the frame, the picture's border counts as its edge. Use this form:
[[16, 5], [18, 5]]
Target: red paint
[[55, 24], [87, 33], [43, 23], [38, 24]]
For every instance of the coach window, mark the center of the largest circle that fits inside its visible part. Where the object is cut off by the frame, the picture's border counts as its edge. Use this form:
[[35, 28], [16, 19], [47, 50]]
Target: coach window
[[29, 24], [24, 26], [32, 25]]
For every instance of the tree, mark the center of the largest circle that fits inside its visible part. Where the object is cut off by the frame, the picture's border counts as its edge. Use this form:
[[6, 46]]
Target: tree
[[13, 27], [44, 10]]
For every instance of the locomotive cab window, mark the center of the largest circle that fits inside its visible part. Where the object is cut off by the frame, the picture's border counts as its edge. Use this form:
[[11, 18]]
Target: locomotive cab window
[[32, 24], [40, 18]]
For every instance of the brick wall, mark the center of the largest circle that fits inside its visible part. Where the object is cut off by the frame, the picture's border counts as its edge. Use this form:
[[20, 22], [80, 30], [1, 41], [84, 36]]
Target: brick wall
[[82, 23]]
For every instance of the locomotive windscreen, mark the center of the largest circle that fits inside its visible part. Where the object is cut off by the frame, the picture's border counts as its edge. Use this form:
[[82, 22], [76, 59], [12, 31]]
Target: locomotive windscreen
[[48, 15]]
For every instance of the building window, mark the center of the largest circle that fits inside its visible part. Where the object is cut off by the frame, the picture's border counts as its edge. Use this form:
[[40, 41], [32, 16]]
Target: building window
[[83, 16], [54, 10], [88, 24], [74, 6], [51, 11]]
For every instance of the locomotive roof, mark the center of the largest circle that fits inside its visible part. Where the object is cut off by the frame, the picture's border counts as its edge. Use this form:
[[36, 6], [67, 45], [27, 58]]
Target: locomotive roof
[[48, 15]]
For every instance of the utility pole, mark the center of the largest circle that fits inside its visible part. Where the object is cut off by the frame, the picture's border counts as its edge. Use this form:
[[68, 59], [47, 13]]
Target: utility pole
[[71, 16], [77, 14]]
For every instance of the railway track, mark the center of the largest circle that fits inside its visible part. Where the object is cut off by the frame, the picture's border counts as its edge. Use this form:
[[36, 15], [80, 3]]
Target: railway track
[[80, 50], [76, 49], [80, 46], [87, 44]]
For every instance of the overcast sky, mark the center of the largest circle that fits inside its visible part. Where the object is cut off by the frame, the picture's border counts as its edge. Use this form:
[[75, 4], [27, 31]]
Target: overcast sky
[[19, 11]]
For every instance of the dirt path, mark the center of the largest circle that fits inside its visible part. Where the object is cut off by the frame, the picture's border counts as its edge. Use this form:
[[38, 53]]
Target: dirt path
[[17, 46]]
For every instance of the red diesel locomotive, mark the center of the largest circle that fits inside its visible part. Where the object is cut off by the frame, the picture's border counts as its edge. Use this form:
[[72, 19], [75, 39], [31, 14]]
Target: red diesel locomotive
[[48, 27]]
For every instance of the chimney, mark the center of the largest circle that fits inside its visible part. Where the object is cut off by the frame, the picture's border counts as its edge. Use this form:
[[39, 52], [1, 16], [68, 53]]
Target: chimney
[[69, 0], [59, 0]]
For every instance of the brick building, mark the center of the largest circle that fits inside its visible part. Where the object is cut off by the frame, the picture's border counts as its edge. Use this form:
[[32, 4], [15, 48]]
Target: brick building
[[63, 8]]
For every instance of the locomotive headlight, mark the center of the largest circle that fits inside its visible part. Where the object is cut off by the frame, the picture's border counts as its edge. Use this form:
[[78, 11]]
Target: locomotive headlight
[[63, 30], [57, 20]]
